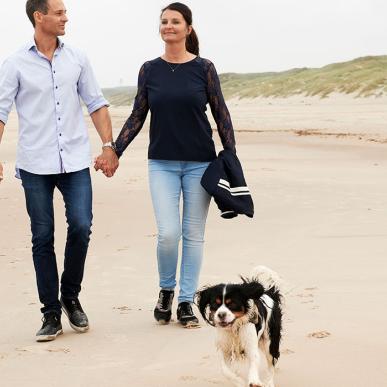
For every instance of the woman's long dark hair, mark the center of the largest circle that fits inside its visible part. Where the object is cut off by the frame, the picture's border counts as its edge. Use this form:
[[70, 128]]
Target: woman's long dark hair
[[192, 41]]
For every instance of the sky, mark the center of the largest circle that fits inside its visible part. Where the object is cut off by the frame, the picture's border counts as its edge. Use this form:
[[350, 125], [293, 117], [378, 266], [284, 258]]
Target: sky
[[237, 36]]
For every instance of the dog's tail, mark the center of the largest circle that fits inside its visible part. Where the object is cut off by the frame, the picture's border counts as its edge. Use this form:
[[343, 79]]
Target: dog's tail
[[268, 278]]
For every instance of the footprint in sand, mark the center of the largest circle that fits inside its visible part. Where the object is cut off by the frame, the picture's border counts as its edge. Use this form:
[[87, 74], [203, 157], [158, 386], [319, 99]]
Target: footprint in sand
[[319, 334], [305, 295], [39, 349], [188, 378], [63, 350], [308, 295], [214, 381], [123, 309], [287, 351], [123, 248]]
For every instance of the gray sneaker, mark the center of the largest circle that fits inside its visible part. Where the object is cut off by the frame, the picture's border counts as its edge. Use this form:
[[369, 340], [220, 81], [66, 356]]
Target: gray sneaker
[[51, 327]]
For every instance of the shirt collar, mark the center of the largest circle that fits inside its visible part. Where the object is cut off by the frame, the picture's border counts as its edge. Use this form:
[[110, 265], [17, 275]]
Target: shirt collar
[[32, 44]]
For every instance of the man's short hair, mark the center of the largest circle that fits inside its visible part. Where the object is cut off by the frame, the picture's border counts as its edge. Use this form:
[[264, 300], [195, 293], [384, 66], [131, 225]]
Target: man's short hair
[[36, 5]]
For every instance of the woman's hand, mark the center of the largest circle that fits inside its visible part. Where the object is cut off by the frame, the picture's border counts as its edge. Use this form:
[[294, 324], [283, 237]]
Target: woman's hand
[[107, 162]]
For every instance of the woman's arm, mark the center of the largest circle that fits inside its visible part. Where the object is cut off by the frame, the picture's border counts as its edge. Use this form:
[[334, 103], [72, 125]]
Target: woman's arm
[[136, 120], [130, 129], [219, 109]]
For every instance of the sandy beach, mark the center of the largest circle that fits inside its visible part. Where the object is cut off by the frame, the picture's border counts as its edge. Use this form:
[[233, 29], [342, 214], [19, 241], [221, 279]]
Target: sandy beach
[[317, 170]]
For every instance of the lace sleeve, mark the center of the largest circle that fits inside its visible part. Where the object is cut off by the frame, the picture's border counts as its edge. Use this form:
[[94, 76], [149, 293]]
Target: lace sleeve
[[219, 109], [136, 120]]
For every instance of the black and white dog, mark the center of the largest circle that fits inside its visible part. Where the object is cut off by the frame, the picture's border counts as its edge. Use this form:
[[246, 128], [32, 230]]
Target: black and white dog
[[248, 318]]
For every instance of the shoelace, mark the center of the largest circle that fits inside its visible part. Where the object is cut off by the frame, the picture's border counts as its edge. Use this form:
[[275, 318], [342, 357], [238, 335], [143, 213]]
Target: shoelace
[[50, 318], [164, 300], [74, 305], [186, 310]]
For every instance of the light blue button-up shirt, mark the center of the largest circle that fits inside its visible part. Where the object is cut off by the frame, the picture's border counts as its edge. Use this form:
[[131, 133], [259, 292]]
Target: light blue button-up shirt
[[53, 136]]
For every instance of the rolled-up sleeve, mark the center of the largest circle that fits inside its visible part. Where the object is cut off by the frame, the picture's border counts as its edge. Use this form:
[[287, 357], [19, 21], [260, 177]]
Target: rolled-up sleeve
[[9, 85], [88, 88]]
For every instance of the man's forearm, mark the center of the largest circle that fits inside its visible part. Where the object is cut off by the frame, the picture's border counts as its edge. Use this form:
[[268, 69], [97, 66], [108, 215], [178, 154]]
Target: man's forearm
[[1, 135], [103, 124], [1, 129]]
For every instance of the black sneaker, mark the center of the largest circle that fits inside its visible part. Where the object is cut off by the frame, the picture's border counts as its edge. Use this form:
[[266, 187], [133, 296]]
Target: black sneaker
[[77, 317], [163, 309], [51, 327], [186, 316]]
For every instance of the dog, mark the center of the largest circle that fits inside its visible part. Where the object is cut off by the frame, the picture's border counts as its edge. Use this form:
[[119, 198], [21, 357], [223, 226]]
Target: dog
[[248, 318]]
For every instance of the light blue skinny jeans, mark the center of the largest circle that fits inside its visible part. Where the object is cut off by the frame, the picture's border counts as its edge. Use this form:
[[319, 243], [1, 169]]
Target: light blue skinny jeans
[[167, 180]]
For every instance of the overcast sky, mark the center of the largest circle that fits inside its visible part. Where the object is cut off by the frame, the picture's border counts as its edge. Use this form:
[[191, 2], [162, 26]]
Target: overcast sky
[[238, 36]]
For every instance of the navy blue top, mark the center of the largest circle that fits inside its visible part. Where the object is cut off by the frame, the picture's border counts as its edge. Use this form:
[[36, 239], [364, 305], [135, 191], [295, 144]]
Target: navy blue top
[[179, 128]]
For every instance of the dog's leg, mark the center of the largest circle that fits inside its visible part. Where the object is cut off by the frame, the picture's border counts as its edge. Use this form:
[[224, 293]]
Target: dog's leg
[[249, 340], [270, 382], [231, 375]]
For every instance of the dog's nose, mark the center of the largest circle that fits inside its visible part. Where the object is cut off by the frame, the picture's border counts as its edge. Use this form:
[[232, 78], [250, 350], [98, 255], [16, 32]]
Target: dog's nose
[[222, 315]]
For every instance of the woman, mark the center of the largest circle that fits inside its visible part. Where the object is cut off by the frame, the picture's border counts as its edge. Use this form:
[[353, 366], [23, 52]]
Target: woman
[[176, 88]]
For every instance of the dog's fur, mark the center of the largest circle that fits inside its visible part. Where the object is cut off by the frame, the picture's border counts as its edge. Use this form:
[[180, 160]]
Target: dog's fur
[[248, 318]]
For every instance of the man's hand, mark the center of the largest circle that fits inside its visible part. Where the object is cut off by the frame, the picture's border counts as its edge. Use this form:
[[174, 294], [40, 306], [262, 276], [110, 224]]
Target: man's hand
[[107, 161], [1, 172]]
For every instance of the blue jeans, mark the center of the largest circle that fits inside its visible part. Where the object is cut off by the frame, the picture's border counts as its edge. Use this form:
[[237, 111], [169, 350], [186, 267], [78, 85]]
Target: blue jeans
[[167, 180], [76, 190]]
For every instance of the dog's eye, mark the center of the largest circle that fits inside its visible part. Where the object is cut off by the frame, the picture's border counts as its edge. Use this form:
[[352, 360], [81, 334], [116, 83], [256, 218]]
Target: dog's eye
[[218, 301], [232, 306]]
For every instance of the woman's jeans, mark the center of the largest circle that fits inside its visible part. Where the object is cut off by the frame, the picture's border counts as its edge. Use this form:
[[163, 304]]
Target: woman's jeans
[[167, 180], [75, 188]]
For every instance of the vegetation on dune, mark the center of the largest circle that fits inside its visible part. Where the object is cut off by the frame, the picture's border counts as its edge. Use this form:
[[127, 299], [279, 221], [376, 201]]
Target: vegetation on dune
[[120, 96], [362, 77]]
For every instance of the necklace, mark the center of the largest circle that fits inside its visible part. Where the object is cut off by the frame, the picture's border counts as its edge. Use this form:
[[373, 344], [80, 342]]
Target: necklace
[[173, 69]]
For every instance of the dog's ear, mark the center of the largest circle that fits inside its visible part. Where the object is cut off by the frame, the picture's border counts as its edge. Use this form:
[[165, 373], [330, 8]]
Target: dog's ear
[[203, 300], [252, 290]]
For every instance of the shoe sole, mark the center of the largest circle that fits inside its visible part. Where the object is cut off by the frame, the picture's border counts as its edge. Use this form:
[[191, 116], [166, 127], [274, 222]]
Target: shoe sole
[[190, 325], [43, 338], [78, 329], [163, 322]]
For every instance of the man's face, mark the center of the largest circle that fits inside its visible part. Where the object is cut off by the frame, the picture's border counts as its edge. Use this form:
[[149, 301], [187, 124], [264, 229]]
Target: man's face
[[53, 23]]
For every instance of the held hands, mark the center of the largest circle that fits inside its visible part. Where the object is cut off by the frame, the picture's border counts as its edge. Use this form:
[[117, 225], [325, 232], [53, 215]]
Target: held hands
[[107, 162]]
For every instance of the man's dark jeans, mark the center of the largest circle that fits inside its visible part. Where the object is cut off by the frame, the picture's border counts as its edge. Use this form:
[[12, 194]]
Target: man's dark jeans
[[77, 195]]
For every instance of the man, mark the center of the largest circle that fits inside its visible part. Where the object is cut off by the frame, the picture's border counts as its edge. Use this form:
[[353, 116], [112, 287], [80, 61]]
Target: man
[[46, 79]]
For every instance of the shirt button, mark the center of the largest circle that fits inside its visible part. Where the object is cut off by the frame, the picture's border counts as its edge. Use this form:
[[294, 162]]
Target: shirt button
[[58, 118], [61, 150], [54, 71], [57, 103], [56, 87], [60, 134]]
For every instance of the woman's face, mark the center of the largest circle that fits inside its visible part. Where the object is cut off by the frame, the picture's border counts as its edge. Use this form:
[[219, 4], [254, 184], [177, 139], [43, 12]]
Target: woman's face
[[173, 27]]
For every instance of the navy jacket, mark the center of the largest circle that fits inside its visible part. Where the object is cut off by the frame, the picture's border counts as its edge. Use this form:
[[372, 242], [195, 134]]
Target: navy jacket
[[224, 180]]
